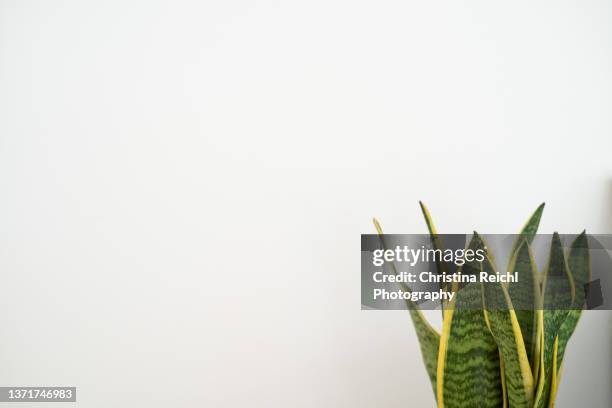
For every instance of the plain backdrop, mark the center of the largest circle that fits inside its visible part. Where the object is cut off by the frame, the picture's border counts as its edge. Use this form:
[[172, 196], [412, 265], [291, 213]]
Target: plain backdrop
[[184, 185]]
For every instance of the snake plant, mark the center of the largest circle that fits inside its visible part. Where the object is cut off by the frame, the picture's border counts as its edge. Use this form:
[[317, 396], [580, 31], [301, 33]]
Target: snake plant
[[497, 356]]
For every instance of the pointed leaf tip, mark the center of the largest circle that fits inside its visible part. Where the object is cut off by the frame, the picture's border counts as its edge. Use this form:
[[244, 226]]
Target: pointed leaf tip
[[423, 207], [377, 226]]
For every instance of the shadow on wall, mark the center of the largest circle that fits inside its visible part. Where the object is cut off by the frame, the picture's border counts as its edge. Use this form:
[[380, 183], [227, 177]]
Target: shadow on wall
[[610, 361], [607, 217]]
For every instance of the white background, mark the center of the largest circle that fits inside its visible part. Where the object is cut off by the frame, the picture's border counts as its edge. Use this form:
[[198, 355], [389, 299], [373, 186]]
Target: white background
[[184, 185]]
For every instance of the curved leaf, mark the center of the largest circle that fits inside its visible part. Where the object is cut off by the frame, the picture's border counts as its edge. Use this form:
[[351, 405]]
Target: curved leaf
[[506, 331], [525, 295], [555, 375], [429, 338], [530, 228], [557, 298], [441, 266], [579, 263]]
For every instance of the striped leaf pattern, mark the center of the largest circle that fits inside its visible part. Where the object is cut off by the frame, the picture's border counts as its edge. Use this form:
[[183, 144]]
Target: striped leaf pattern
[[503, 345], [468, 361], [557, 287], [506, 331], [530, 228], [525, 296]]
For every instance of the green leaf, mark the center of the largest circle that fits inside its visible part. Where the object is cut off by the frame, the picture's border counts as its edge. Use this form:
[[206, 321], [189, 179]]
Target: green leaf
[[525, 294], [531, 226], [557, 299], [529, 230], [468, 359], [502, 370], [429, 342], [554, 381], [579, 263], [429, 338], [441, 266], [504, 325]]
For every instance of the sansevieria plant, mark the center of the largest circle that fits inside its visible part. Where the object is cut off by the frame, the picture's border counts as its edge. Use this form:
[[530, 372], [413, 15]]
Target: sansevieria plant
[[492, 356]]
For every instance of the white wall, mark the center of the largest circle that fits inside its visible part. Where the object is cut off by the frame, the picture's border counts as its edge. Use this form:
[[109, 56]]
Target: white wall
[[184, 185]]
